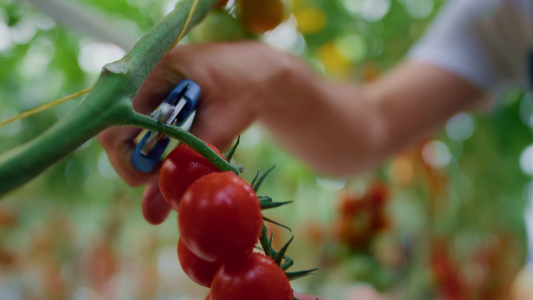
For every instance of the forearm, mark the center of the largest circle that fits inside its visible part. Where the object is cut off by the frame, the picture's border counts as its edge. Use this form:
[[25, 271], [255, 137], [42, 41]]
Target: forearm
[[330, 125], [415, 100], [341, 128]]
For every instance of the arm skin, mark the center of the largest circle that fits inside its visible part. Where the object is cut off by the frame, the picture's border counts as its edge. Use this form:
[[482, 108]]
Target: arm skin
[[341, 128], [337, 128]]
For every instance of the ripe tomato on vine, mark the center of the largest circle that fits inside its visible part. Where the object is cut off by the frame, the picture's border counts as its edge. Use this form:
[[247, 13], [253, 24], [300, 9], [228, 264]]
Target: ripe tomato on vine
[[220, 222], [154, 208], [254, 277], [198, 270], [220, 217], [180, 169], [362, 217]]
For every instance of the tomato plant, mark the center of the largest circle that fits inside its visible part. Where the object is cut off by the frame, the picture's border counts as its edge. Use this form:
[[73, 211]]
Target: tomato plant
[[362, 217], [180, 169], [378, 194], [256, 277], [198, 270], [220, 217]]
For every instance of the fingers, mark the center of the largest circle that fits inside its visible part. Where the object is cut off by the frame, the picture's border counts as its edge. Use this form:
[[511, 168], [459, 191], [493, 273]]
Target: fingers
[[154, 207], [211, 125], [227, 105], [118, 141], [119, 145], [156, 87]]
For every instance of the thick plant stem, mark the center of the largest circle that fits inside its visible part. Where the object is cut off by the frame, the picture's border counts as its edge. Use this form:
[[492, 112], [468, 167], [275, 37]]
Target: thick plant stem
[[149, 50], [108, 104], [27, 161]]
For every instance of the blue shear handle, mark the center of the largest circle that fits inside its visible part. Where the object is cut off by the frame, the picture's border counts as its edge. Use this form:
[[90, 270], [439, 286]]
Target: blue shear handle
[[186, 89], [146, 163], [192, 95]]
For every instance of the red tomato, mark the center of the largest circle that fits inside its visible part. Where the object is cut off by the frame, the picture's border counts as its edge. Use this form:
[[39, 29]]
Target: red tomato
[[198, 270], [362, 217], [355, 231], [378, 194], [181, 168], [257, 277], [220, 217], [154, 207]]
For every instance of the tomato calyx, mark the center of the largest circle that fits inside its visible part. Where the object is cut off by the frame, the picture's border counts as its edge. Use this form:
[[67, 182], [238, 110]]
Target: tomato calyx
[[266, 202], [229, 155], [259, 178], [220, 222], [231, 151], [280, 257]]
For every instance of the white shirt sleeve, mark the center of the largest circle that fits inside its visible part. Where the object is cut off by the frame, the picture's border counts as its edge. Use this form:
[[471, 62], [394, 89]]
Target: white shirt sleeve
[[484, 41]]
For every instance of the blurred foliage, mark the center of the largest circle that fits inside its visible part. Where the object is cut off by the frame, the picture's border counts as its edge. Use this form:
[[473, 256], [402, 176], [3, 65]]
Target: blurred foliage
[[463, 192]]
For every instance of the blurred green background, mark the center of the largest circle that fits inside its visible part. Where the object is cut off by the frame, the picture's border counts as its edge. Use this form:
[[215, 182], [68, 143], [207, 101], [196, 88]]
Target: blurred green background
[[454, 212]]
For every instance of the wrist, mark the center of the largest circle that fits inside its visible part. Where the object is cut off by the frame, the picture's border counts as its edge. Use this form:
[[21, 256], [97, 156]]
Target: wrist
[[294, 84]]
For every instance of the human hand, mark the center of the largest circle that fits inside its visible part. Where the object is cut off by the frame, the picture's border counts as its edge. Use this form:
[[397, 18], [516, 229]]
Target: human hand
[[236, 80]]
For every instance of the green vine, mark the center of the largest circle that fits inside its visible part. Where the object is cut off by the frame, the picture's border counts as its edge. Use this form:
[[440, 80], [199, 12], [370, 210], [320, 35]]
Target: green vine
[[110, 104]]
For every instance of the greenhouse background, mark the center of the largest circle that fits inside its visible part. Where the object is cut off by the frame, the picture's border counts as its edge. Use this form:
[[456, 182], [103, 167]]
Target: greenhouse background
[[451, 225]]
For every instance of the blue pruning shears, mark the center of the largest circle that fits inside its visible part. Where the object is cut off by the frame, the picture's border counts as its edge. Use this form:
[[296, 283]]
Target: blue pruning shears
[[178, 109]]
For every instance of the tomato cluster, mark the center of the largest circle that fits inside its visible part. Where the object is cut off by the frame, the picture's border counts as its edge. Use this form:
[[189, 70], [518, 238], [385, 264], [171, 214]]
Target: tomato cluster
[[220, 223], [362, 217], [220, 217], [445, 272]]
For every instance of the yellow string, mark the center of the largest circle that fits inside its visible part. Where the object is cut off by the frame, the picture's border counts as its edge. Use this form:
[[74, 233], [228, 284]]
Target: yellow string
[[43, 107], [186, 25]]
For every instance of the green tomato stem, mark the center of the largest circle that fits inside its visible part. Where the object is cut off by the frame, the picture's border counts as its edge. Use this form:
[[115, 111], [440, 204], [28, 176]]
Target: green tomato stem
[[185, 137], [23, 163]]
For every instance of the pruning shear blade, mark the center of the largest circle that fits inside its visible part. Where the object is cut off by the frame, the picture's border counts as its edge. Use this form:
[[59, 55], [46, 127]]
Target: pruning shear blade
[[178, 109]]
